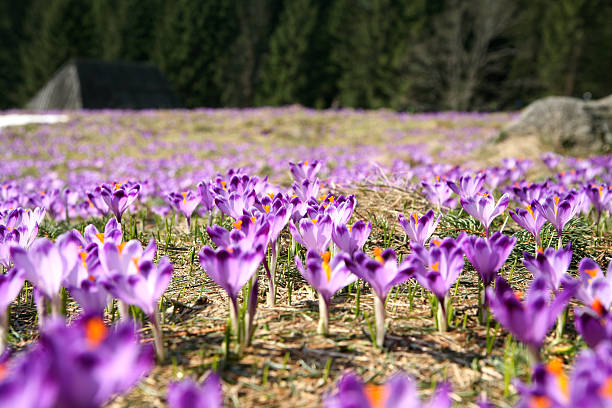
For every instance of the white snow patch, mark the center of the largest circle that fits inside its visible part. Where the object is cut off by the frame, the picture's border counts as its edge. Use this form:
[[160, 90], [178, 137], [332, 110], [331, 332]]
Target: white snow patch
[[17, 119]]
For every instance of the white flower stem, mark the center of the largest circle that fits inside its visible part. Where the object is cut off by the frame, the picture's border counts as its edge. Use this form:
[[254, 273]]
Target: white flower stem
[[379, 311], [157, 335], [323, 316]]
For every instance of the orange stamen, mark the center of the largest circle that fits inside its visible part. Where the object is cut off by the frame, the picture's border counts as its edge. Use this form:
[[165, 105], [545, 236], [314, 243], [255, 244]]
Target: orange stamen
[[253, 219], [540, 401], [378, 255], [436, 267], [306, 163], [591, 272], [376, 395], [95, 331], [223, 184], [267, 209], [100, 237], [326, 256], [121, 246], [598, 307], [83, 257], [436, 242], [184, 197], [606, 388], [528, 208], [314, 221], [415, 215], [519, 295], [237, 224], [271, 195]]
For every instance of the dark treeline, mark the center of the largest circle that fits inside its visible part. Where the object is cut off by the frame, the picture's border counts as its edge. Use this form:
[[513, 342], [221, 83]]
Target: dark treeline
[[405, 54]]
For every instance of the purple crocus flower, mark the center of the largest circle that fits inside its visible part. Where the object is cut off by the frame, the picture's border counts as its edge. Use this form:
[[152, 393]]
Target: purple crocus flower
[[532, 221], [601, 199], [185, 202], [306, 189], [530, 320], [558, 211], [231, 269], [8, 238], [550, 264], [327, 276], [96, 200], [468, 186], [119, 197], [305, 170], [399, 391], [81, 366], [488, 256], [313, 234], [188, 394], [551, 160], [112, 233], [10, 286], [248, 232], [484, 209], [382, 273], [589, 385], [207, 198], [351, 238], [144, 289], [47, 264], [594, 324], [419, 228], [437, 269], [439, 194]]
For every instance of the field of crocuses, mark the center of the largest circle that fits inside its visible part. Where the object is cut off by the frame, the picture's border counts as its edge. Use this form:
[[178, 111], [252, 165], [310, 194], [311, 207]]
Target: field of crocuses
[[292, 257]]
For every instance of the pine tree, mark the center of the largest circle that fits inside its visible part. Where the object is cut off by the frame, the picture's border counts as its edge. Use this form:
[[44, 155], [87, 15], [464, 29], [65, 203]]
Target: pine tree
[[371, 40], [55, 31], [192, 39], [284, 76]]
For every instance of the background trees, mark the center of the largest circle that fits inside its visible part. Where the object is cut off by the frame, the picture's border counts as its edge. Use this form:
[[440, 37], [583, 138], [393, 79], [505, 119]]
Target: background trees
[[400, 54]]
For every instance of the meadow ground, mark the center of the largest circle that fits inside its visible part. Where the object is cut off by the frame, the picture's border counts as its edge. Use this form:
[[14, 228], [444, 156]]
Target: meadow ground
[[373, 155]]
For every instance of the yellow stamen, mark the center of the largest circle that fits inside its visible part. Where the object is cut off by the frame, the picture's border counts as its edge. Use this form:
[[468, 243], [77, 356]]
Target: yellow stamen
[[117, 185], [100, 237], [555, 367], [92, 278], [135, 261], [331, 199], [271, 195], [95, 331], [350, 228], [42, 193], [90, 203], [437, 178], [83, 257], [540, 250], [323, 197], [306, 163], [294, 195], [253, 219], [223, 184], [556, 208], [314, 221], [327, 270], [436, 267], [325, 205], [237, 224], [267, 209], [519, 295], [184, 197], [121, 246], [326, 256], [415, 215], [528, 208], [436, 242], [376, 395]]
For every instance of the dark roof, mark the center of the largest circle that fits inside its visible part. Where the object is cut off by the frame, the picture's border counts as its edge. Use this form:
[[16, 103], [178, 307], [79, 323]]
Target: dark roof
[[97, 84]]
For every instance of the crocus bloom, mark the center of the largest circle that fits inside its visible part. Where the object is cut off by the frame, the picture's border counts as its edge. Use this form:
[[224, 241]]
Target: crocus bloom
[[8, 238], [81, 366], [531, 220], [313, 234], [589, 384], [188, 394], [124, 258], [530, 320], [351, 238], [419, 228], [185, 202], [594, 324], [119, 197], [601, 199], [558, 211], [231, 268], [382, 273], [144, 289], [47, 264], [596, 288], [468, 186], [550, 264], [439, 194], [437, 269], [10, 286], [305, 170], [96, 200], [306, 189], [484, 209], [112, 233], [488, 256], [248, 232], [327, 276], [399, 391]]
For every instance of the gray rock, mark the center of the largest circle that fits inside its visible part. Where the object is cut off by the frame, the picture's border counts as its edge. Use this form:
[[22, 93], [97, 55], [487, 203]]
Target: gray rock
[[566, 124]]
